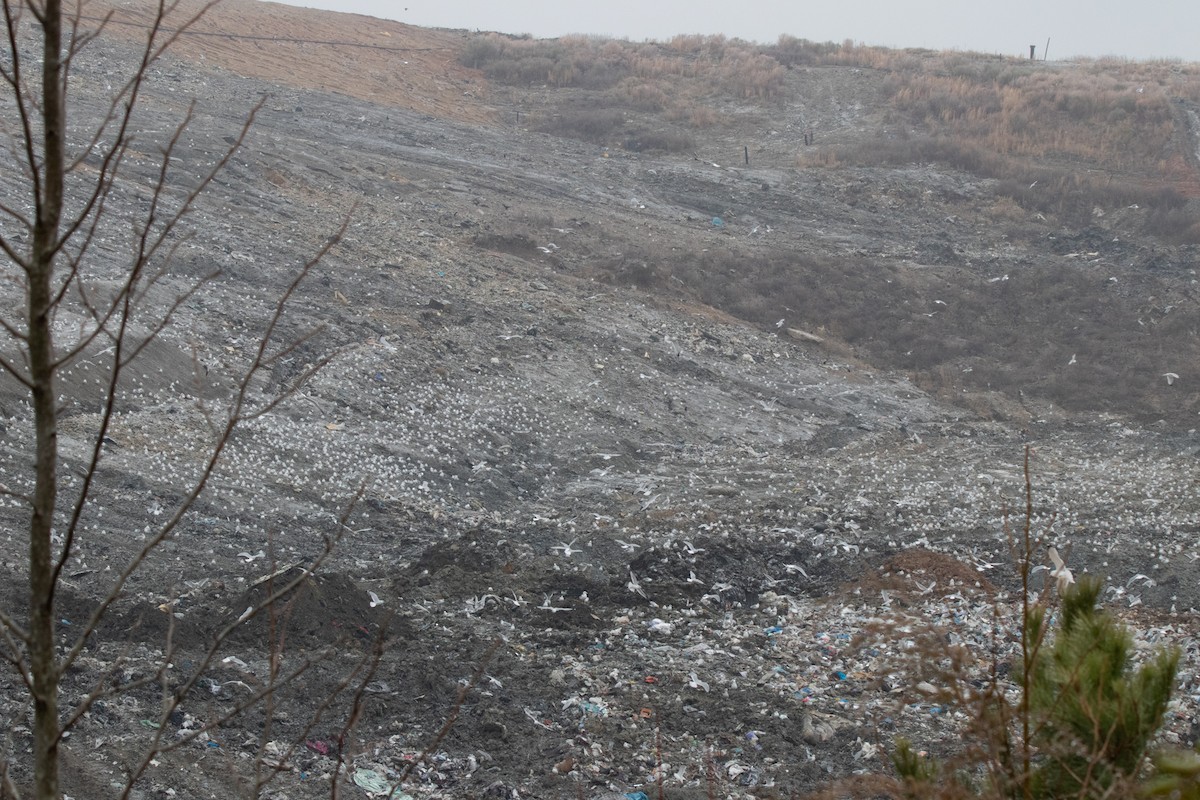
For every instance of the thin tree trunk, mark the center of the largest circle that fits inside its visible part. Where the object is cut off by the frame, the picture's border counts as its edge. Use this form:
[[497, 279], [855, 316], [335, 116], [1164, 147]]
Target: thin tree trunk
[[43, 664]]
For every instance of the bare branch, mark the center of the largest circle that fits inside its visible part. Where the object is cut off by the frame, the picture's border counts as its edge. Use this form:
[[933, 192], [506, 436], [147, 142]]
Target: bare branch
[[452, 717], [10, 628], [13, 331], [160, 325], [20, 377], [358, 700], [103, 689], [236, 415], [12, 22], [290, 391], [269, 603], [55, 277], [38, 9], [17, 258], [8, 789], [126, 99], [169, 315], [372, 662], [158, 747], [261, 359], [23, 220], [164, 532], [80, 39], [6, 492], [148, 245], [96, 215]]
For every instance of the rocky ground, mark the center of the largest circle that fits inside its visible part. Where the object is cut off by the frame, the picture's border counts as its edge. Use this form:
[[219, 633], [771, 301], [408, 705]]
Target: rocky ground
[[680, 528]]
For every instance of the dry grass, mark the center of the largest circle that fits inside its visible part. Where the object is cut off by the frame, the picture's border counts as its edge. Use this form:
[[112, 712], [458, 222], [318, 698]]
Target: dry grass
[[644, 97], [1063, 139], [1042, 112], [731, 66], [1091, 133]]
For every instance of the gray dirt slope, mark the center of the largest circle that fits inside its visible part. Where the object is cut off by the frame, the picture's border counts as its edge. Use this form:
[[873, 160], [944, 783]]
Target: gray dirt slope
[[675, 523]]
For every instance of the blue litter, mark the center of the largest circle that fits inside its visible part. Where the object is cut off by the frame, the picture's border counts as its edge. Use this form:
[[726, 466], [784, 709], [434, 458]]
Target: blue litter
[[718, 222], [636, 796], [371, 780], [594, 708]]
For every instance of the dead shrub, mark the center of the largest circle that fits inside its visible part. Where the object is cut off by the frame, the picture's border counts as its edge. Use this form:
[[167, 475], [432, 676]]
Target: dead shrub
[[791, 51], [596, 125], [659, 141], [991, 337], [530, 69], [580, 61], [640, 95], [1177, 225], [1119, 120], [750, 75], [481, 51], [700, 117]]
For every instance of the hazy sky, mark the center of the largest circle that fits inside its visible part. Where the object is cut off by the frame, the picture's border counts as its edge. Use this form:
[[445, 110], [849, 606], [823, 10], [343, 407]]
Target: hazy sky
[[1131, 28]]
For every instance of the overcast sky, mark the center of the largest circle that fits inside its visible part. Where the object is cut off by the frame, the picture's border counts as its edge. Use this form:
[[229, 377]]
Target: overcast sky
[[1131, 28]]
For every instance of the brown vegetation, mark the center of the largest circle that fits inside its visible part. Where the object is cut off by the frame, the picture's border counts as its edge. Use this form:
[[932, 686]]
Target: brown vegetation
[[664, 86], [991, 336], [1092, 135], [1061, 140], [1054, 151]]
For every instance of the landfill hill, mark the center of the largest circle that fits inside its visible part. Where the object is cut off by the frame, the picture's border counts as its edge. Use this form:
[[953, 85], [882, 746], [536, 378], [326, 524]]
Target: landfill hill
[[676, 429]]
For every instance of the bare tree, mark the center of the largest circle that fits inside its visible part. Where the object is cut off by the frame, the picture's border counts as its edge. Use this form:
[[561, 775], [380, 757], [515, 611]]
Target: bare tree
[[49, 234]]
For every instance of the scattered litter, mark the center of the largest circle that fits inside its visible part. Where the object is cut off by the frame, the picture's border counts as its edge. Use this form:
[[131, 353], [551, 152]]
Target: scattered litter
[[866, 750], [478, 440], [372, 781], [536, 720]]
